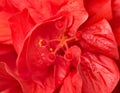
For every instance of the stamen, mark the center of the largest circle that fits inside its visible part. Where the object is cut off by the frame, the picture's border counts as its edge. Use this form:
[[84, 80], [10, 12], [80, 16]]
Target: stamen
[[66, 46], [69, 39], [51, 49], [42, 43], [51, 56]]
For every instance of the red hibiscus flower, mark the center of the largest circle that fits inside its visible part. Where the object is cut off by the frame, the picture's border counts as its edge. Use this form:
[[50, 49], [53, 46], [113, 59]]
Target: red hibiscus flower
[[52, 58], [57, 49]]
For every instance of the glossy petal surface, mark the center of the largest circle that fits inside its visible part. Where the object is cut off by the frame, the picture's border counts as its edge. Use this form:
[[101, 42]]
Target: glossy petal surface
[[99, 73], [100, 39]]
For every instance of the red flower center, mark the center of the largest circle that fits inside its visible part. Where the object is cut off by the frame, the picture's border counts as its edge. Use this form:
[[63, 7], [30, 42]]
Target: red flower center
[[42, 43]]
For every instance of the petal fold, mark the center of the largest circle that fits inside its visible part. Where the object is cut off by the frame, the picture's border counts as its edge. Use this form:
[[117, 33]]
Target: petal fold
[[99, 38], [99, 73]]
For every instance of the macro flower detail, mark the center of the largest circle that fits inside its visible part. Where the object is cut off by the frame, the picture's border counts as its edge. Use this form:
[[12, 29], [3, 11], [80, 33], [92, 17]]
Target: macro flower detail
[[52, 55]]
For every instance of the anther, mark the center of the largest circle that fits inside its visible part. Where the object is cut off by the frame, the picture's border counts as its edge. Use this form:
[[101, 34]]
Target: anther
[[51, 49], [42, 43]]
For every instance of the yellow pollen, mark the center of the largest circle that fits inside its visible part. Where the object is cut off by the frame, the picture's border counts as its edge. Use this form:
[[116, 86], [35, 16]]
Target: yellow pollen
[[40, 43], [51, 49]]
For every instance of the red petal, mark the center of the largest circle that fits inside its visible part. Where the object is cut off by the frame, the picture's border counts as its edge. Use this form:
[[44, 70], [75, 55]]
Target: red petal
[[9, 58], [61, 70], [41, 10], [72, 83], [7, 6], [5, 48], [21, 62], [99, 73], [38, 56], [5, 33], [7, 80], [117, 35], [21, 24], [116, 19], [95, 15], [93, 6], [100, 39], [31, 87], [77, 10], [40, 32], [116, 12]]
